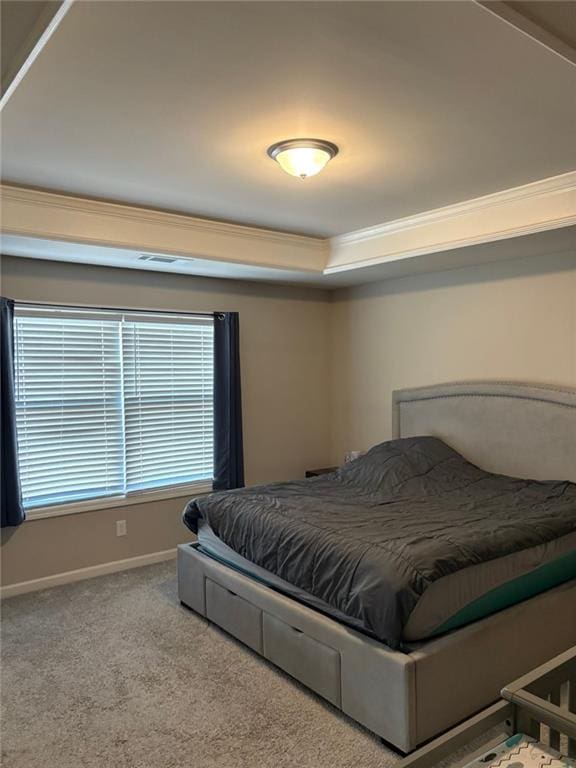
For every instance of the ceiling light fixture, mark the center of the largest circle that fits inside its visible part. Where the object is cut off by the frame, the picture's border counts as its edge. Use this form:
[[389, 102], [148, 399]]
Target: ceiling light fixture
[[302, 157]]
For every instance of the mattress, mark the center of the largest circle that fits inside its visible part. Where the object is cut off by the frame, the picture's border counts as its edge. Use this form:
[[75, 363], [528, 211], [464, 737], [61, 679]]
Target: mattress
[[408, 541], [469, 595]]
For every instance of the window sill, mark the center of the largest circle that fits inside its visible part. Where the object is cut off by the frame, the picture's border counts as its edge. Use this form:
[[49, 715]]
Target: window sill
[[145, 497]]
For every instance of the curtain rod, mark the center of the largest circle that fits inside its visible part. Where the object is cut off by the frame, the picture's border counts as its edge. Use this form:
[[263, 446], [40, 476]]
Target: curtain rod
[[98, 308]]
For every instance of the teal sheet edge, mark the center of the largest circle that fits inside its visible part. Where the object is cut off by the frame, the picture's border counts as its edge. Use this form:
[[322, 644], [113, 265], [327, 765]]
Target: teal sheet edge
[[521, 588], [515, 591]]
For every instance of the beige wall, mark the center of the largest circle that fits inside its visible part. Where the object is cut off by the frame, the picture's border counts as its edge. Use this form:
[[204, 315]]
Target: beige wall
[[511, 320], [318, 370], [285, 358]]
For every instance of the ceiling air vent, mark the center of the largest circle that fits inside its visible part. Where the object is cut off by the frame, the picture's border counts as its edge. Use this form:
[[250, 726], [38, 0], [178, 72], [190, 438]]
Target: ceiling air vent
[[157, 258]]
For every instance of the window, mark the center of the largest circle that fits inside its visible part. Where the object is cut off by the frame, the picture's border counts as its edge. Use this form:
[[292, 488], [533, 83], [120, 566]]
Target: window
[[110, 404]]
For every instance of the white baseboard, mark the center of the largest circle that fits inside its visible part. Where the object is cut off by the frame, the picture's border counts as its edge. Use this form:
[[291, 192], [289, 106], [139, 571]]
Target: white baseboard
[[102, 569]]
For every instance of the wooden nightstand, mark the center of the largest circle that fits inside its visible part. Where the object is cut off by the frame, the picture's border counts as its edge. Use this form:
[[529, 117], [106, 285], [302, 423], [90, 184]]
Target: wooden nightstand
[[321, 471]]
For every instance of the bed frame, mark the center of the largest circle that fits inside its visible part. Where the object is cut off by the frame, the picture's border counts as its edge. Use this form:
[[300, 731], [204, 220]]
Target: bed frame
[[525, 430]]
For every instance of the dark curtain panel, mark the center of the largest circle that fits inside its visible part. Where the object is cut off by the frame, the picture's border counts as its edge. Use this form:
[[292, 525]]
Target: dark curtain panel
[[228, 445], [10, 499]]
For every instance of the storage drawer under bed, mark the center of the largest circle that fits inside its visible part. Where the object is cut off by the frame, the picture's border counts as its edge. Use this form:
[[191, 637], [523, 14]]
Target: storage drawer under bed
[[313, 663], [234, 614], [308, 660]]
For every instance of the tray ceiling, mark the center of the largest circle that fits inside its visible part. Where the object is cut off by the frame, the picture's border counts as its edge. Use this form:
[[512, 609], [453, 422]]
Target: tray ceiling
[[172, 105]]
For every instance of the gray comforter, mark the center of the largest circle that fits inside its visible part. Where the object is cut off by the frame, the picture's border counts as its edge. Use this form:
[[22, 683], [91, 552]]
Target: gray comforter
[[370, 538]]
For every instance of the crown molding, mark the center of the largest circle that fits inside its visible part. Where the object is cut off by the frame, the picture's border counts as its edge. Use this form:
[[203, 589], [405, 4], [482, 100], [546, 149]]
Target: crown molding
[[565, 182], [54, 216], [35, 216], [539, 206], [30, 196], [452, 245]]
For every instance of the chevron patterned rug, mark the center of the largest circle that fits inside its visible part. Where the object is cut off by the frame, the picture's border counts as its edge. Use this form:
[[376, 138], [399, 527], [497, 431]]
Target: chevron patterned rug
[[520, 751]]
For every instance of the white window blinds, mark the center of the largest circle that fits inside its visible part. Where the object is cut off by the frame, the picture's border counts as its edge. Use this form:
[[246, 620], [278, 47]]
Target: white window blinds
[[168, 401], [68, 408], [108, 404]]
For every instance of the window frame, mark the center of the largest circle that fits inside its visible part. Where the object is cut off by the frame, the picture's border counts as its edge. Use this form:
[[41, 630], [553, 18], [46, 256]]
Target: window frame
[[144, 496], [199, 488]]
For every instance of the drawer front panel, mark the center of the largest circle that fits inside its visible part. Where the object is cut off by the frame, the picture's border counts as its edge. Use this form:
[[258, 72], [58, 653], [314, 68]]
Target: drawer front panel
[[234, 614], [313, 663]]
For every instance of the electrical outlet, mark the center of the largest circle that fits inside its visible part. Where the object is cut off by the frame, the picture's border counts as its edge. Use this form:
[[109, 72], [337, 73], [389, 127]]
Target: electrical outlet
[[121, 529]]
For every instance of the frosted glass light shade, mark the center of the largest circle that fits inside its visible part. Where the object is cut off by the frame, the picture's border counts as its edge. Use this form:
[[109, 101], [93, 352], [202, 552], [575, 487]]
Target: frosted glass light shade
[[303, 157]]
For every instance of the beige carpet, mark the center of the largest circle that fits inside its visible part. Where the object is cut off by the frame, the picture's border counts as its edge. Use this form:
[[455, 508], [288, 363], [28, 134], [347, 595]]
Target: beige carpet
[[114, 673]]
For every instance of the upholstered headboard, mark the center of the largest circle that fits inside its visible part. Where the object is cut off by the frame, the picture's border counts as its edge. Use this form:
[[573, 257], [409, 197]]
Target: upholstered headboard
[[518, 429]]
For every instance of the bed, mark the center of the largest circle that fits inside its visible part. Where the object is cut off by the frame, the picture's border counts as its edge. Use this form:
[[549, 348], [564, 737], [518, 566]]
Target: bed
[[405, 679]]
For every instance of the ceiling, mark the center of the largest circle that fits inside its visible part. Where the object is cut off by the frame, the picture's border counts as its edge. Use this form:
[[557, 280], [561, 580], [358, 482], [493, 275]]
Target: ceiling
[[173, 104]]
